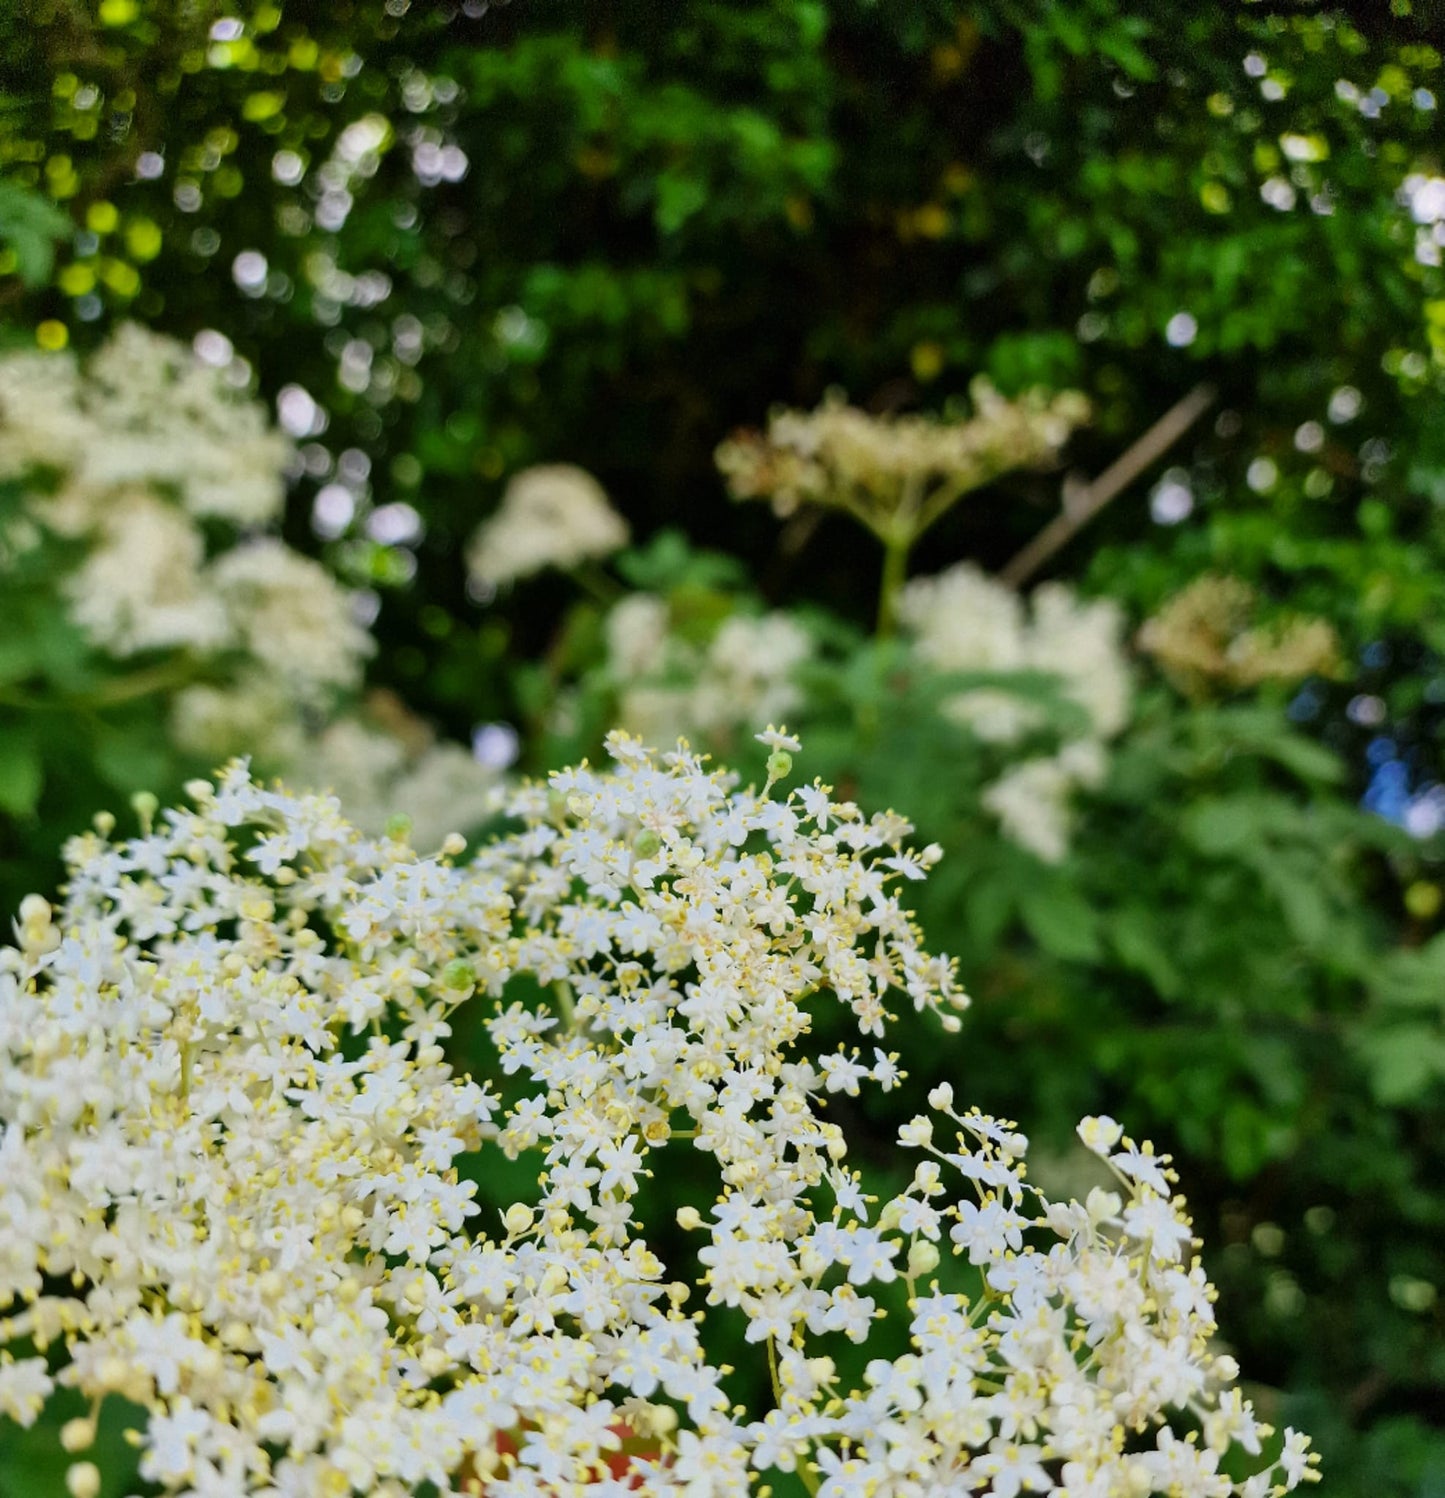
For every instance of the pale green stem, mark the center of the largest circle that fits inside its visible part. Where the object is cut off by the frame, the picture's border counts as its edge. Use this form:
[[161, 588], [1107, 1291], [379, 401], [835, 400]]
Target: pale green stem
[[810, 1480], [566, 1005], [895, 574], [596, 584]]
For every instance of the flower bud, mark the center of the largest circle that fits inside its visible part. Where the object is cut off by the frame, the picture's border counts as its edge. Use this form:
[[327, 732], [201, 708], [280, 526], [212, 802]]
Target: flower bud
[[35, 911], [780, 764], [646, 844], [398, 827], [77, 1434], [145, 804], [517, 1218], [922, 1258], [82, 1480], [1100, 1133], [458, 974]]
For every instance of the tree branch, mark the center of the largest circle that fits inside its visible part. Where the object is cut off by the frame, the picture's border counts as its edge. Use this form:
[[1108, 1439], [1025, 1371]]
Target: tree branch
[[1082, 502]]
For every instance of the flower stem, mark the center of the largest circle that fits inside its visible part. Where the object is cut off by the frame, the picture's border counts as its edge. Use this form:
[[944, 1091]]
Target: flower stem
[[895, 574], [565, 1004], [810, 1480]]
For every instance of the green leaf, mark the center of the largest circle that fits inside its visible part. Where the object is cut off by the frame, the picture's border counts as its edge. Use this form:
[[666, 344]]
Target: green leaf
[[19, 658], [1296, 887], [30, 224], [21, 775], [134, 757], [1135, 935], [1413, 979], [1222, 826], [1265, 733], [1403, 1062], [1061, 921]]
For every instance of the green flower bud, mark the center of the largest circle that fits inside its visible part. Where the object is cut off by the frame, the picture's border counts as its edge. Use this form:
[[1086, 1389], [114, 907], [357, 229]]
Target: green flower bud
[[458, 974], [646, 844], [780, 764], [398, 828], [145, 804]]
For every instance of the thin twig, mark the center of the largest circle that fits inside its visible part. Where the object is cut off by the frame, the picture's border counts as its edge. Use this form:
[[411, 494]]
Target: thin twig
[[1081, 504]]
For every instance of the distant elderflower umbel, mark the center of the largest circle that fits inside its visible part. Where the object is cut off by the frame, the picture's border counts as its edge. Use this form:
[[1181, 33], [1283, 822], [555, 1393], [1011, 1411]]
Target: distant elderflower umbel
[[555, 515], [896, 475], [1206, 639]]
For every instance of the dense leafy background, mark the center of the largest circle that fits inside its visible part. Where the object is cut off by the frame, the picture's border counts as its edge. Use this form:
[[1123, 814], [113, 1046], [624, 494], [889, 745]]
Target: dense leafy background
[[451, 242]]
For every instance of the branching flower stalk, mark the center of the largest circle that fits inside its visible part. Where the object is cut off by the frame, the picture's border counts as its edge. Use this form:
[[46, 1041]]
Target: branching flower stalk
[[897, 476], [237, 1170]]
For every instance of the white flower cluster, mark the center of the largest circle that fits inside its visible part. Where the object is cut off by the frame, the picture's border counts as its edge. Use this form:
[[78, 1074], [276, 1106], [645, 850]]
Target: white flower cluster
[[381, 761], [381, 772], [963, 620], [130, 453], [229, 1185], [141, 413], [713, 691], [881, 468], [1208, 640], [555, 515]]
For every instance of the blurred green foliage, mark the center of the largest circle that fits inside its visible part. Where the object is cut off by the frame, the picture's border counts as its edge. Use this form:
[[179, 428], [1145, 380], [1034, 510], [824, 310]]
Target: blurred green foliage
[[476, 238]]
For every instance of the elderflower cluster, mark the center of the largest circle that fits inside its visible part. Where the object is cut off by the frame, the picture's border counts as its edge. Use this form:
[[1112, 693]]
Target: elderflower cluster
[[555, 515], [139, 454], [141, 414], [671, 684], [237, 1170], [886, 468], [964, 621], [1205, 640], [381, 761]]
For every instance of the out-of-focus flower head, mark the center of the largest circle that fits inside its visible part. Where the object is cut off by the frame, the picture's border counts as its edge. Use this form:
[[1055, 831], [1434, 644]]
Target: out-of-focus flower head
[[1206, 640], [896, 473], [141, 413], [555, 515]]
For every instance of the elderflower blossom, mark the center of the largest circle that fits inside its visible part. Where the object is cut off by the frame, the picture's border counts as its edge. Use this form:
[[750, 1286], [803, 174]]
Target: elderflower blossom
[[141, 588], [1034, 799], [890, 469], [964, 621], [130, 453], [231, 1194], [1205, 639], [381, 772], [141, 412], [291, 616], [382, 762], [671, 685], [555, 515]]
